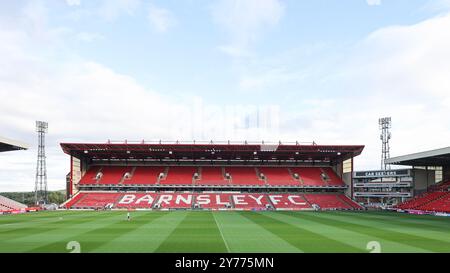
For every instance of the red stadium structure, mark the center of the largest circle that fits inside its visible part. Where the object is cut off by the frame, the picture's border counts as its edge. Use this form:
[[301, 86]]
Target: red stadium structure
[[436, 199], [239, 176]]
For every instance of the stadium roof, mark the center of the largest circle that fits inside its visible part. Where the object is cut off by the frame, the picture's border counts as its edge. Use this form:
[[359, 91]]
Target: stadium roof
[[439, 157], [212, 151], [11, 145]]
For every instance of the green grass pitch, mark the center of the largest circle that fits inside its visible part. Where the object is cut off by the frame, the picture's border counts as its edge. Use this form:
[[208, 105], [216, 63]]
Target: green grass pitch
[[225, 231]]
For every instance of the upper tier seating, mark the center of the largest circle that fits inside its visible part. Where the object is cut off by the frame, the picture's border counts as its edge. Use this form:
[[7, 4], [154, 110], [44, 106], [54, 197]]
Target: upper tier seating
[[212, 176], [334, 179], [310, 176], [144, 176], [278, 176], [244, 176], [90, 176], [113, 174], [327, 201], [179, 176]]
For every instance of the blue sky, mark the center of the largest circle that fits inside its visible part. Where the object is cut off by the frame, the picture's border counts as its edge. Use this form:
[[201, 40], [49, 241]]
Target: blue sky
[[222, 69]]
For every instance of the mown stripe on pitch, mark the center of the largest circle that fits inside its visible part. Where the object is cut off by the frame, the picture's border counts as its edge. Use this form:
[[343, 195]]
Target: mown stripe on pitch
[[429, 219], [353, 236], [299, 237], [34, 221], [409, 221], [47, 226], [243, 235], [96, 237], [64, 230], [391, 224], [353, 239], [198, 232], [147, 237], [29, 217], [373, 228]]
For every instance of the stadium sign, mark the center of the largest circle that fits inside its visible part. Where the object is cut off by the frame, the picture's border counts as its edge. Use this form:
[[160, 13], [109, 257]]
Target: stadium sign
[[382, 173], [214, 200]]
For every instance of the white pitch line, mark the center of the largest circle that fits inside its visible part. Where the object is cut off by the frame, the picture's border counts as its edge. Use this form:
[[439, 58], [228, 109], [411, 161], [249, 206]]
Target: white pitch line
[[221, 234]]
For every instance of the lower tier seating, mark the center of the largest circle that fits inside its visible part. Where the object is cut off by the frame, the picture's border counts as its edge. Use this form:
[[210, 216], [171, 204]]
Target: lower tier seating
[[9, 204], [421, 200], [187, 200], [441, 204], [328, 201]]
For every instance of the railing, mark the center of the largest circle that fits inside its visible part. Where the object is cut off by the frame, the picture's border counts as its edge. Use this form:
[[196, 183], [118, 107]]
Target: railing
[[206, 142]]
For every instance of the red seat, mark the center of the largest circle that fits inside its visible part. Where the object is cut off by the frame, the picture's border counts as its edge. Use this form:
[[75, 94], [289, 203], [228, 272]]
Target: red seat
[[113, 174], [179, 176], [244, 176], [137, 200], [311, 176], [288, 201], [334, 179], [144, 176], [213, 200], [175, 200], [90, 175], [250, 201], [327, 201], [212, 176], [96, 200], [278, 176]]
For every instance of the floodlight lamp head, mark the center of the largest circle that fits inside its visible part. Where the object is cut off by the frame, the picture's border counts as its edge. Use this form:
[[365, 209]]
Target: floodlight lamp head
[[41, 126]]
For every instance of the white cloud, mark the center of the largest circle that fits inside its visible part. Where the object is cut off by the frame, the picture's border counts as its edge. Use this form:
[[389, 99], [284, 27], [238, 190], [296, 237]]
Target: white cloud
[[398, 71], [73, 2], [270, 78], [244, 21], [373, 2], [87, 101], [112, 9], [89, 37], [161, 19]]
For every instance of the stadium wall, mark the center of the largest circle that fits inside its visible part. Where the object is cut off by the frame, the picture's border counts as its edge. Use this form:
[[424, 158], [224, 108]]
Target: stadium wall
[[446, 173], [423, 179]]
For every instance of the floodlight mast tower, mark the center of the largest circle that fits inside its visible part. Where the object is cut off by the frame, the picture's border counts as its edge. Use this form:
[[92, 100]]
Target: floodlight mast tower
[[385, 126], [40, 189]]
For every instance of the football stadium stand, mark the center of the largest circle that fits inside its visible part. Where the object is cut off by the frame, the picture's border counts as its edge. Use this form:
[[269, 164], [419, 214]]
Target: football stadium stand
[[8, 204], [183, 200], [178, 176], [7, 145], [212, 176], [243, 176], [436, 199], [209, 176]]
